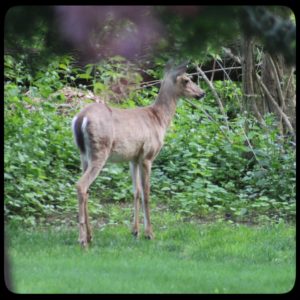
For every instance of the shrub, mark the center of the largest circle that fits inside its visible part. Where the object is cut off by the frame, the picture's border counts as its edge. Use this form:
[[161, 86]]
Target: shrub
[[205, 168]]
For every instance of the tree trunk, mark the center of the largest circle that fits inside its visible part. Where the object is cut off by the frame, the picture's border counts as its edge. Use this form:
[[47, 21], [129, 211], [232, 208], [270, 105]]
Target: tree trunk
[[248, 75], [278, 79]]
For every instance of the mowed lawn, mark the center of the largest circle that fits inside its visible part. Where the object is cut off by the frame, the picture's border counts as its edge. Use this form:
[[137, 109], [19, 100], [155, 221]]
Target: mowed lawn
[[184, 258]]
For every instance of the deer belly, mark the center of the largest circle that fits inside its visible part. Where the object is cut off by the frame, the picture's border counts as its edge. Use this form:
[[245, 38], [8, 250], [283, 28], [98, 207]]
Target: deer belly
[[123, 152], [116, 157]]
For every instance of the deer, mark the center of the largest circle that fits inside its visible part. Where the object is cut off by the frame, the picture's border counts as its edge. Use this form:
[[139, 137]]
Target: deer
[[135, 135]]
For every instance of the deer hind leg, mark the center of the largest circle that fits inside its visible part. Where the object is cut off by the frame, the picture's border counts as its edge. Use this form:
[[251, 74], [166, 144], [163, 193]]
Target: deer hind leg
[[137, 192], [84, 162], [84, 165], [90, 174], [145, 171]]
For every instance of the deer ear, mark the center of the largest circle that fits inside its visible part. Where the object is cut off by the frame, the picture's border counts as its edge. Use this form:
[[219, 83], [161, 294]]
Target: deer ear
[[168, 66], [180, 70]]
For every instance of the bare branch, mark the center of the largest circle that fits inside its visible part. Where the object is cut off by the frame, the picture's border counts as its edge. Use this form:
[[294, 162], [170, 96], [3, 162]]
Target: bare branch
[[145, 84], [155, 82], [231, 55], [215, 70], [151, 81], [284, 116], [237, 97], [277, 82], [288, 84], [210, 118], [214, 93], [250, 145]]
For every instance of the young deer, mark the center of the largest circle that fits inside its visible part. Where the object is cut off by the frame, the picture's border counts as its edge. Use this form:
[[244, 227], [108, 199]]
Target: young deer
[[134, 135]]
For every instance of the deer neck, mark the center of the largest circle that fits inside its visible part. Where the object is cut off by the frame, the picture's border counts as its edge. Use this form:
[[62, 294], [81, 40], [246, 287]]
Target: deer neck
[[165, 105]]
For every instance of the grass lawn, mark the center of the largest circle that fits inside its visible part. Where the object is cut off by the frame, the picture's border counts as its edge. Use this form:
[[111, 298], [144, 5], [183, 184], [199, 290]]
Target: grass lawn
[[184, 258]]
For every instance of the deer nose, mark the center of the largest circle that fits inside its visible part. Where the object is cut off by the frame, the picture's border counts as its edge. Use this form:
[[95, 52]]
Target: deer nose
[[200, 96]]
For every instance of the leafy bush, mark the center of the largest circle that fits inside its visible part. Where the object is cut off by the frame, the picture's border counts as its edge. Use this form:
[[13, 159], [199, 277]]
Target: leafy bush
[[205, 172], [203, 169], [38, 156]]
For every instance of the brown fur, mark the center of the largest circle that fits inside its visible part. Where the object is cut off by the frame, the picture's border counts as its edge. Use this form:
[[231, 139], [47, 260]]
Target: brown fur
[[155, 116]]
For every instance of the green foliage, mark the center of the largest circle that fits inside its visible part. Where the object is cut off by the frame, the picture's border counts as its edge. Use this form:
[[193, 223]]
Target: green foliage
[[191, 30], [41, 76], [204, 172], [111, 79], [269, 24], [39, 152], [241, 173]]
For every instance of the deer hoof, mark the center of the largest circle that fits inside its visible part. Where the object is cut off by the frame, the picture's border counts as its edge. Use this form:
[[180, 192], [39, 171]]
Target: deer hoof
[[83, 243], [149, 235], [135, 233]]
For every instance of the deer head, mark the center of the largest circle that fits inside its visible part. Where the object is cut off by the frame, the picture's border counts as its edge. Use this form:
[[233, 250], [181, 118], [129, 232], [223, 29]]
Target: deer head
[[183, 85]]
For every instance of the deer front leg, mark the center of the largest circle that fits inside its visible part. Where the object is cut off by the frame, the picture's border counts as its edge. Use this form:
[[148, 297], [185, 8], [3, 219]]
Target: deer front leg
[[136, 191], [87, 222], [145, 171]]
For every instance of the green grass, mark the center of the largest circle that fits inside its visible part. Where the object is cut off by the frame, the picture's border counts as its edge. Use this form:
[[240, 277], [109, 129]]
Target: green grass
[[184, 258]]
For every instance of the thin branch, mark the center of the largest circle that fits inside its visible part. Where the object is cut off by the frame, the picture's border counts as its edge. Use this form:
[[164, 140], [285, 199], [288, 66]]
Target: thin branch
[[215, 70], [145, 85], [214, 93], [277, 82], [237, 97], [229, 71], [288, 83], [223, 69], [208, 115], [151, 81], [249, 144], [284, 116], [155, 82], [231, 55], [210, 118]]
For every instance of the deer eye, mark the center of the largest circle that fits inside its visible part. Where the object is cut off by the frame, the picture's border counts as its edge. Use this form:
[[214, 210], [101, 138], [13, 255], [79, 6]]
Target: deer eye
[[185, 81]]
